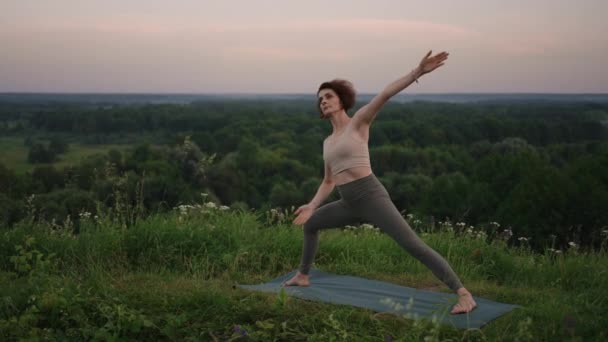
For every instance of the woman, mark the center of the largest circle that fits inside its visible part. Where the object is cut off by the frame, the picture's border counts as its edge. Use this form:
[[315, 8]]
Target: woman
[[363, 197]]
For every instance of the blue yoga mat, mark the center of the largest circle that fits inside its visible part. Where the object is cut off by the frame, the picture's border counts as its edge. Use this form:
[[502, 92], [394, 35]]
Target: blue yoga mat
[[385, 297]]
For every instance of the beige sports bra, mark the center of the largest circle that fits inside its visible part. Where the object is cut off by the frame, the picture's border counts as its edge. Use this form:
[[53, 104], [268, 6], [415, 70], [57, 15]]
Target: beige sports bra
[[345, 152]]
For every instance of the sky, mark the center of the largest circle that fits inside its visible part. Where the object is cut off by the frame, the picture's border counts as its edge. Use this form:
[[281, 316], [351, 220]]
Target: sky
[[289, 46]]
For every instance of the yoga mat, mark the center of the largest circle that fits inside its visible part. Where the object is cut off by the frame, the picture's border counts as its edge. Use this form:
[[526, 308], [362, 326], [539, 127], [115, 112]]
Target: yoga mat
[[385, 297]]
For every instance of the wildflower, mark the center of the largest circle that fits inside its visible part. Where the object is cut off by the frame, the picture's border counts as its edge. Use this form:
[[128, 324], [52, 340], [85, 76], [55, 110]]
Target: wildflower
[[223, 207], [558, 251], [410, 216], [391, 303], [522, 239], [239, 330], [417, 221], [572, 244], [460, 224], [481, 235], [210, 205]]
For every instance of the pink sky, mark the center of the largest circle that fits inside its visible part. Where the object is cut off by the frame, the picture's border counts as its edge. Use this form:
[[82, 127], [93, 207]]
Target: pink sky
[[292, 46]]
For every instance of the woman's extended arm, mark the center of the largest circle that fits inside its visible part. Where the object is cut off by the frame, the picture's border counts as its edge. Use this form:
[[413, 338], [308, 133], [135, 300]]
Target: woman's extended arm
[[325, 189], [304, 212], [366, 114]]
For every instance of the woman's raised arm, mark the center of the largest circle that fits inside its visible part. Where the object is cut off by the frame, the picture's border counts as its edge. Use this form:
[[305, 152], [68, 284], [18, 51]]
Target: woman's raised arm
[[366, 114]]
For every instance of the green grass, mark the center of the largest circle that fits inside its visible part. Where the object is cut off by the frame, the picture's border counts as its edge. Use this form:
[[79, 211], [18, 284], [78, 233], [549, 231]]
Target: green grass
[[13, 154], [171, 277]]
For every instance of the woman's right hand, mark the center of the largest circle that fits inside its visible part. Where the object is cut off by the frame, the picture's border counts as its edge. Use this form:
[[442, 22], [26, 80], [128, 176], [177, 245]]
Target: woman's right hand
[[303, 214]]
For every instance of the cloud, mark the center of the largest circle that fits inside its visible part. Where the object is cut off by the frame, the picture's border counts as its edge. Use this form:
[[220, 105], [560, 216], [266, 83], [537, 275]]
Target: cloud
[[529, 45], [293, 40], [282, 54], [153, 25]]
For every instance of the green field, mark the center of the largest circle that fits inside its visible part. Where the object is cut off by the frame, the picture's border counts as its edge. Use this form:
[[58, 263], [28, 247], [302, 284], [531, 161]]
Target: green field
[[171, 276], [13, 154]]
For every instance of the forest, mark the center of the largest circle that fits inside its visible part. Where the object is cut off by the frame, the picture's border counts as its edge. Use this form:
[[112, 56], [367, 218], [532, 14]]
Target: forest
[[533, 169]]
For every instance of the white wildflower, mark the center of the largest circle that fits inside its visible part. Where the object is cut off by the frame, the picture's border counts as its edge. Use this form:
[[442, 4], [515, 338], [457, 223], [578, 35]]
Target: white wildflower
[[223, 207], [572, 244], [210, 205], [522, 239], [391, 303]]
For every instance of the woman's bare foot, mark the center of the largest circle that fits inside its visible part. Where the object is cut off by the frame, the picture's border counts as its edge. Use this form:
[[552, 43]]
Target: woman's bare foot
[[298, 280], [465, 304]]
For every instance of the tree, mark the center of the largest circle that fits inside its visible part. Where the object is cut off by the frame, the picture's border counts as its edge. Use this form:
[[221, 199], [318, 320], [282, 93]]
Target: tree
[[448, 197], [58, 146], [40, 154], [50, 177], [285, 194]]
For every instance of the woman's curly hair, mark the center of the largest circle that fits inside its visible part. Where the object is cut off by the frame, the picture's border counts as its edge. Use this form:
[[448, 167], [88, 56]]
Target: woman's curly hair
[[345, 90]]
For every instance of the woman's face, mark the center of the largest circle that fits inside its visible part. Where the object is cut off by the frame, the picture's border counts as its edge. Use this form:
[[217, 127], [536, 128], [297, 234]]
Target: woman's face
[[329, 102]]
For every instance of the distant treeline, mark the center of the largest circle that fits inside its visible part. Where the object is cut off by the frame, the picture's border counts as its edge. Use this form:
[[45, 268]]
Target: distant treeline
[[538, 168]]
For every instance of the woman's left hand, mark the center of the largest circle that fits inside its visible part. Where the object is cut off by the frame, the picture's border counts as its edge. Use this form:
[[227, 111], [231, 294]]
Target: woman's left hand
[[428, 64]]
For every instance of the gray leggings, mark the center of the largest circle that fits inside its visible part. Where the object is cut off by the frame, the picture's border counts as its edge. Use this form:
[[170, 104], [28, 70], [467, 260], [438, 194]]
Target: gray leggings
[[366, 200]]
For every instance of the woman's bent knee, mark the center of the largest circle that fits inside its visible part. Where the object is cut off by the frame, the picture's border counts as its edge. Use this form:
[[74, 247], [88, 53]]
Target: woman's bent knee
[[310, 227]]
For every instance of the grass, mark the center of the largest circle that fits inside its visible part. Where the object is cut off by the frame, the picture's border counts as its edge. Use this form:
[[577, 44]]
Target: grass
[[171, 276], [14, 154]]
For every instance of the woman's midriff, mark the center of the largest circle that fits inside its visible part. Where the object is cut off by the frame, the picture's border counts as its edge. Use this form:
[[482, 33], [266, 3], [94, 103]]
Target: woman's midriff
[[351, 174]]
